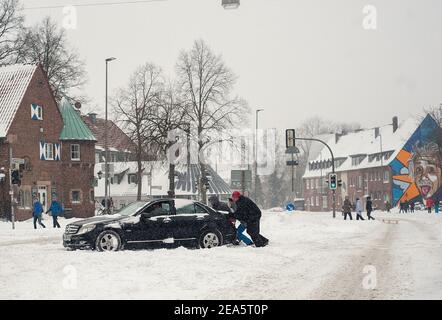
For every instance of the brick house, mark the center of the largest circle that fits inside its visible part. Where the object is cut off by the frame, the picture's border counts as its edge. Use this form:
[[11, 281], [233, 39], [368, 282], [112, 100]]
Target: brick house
[[362, 161], [51, 147]]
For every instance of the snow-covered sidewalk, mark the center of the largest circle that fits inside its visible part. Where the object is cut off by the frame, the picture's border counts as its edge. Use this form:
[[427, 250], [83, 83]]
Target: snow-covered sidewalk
[[311, 255]]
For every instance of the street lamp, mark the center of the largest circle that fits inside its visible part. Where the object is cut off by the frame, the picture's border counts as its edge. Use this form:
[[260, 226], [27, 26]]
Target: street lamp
[[231, 4], [106, 151], [256, 150]]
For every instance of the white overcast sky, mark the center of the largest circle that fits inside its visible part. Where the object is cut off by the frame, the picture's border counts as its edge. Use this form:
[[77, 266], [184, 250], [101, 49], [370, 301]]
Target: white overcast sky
[[294, 58]]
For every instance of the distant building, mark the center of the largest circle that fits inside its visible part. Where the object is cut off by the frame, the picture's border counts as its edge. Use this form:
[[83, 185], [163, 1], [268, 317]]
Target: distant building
[[155, 182], [52, 149], [120, 146], [380, 163]]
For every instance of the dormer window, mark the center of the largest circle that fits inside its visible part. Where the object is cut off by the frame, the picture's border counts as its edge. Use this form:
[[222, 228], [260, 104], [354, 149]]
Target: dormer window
[[36, 112]]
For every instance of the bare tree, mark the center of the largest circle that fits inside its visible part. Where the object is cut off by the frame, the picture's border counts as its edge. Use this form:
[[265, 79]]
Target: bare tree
[[170, 114], [207, 85], [435, 112], [11, 27], [46, 44], [135, 104]]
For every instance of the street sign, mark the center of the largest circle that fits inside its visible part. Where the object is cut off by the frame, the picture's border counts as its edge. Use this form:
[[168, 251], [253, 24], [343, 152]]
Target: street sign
[[292, 163], [241, 179], [290, 138], [18, 161]]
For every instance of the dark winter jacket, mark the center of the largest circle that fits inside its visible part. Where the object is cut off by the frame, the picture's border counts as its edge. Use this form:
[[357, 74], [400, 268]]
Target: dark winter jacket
[[346, 207], [55, 208], [37, 209], [218, 205], [246, 210], [369, 206]]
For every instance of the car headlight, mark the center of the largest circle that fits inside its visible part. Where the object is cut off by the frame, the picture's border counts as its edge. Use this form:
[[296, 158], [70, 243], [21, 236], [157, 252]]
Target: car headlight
[[86, 229]]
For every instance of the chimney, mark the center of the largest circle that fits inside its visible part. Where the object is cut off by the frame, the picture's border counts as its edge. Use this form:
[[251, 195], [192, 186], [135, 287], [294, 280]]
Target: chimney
[[395, 124], [93, 117], [376, 132]]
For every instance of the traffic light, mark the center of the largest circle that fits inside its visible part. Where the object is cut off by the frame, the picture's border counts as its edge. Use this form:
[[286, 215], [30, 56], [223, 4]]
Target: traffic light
[[333, 181]]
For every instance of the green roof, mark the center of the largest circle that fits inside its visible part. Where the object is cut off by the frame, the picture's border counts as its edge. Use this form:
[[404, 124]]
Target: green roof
[[74, 128]]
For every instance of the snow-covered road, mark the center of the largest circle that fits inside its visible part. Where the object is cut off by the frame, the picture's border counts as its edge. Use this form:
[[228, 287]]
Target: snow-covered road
[[310, 256]]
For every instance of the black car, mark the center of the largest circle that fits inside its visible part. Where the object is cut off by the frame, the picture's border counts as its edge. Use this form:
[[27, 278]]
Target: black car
[[159, 223]]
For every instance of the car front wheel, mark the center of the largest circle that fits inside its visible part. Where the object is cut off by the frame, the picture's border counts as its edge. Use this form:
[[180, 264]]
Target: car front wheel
[[210, 239], [108, 241]]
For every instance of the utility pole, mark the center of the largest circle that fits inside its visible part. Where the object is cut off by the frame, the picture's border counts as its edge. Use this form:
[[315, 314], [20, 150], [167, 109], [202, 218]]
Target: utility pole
[[333, 168], [255, 150], [11, 190], [106, 149]]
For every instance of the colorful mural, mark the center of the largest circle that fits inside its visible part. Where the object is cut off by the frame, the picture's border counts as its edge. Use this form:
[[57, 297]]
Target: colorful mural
[[417, 169]]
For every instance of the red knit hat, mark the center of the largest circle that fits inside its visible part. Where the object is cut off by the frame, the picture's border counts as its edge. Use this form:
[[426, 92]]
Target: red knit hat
[[236, 195]]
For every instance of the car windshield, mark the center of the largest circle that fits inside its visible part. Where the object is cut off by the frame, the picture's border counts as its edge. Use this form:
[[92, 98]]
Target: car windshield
[[132, 208]]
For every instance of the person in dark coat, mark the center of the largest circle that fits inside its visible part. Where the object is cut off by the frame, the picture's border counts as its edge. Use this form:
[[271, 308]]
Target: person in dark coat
[[222, 206], [56, 210], [247, 211], [346, 208], [37, 210], [412, 207], [369, 208], [388, 206]]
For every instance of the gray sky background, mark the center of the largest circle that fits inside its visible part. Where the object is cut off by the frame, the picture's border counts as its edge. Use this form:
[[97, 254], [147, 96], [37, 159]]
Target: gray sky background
[[294, 58]]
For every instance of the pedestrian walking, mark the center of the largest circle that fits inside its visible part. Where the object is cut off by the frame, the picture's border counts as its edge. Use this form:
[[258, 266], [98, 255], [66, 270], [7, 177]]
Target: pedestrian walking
[[56, 210], [369, 208], [429, 204], [412, 205], [359, 209], [37, 210], [407, 206], [346, 208], [436, 207], [247, 211], [388, 206]]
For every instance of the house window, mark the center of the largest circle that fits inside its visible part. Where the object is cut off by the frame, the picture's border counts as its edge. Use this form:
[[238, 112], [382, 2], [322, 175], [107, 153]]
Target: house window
[[36, 112], [307, 184], [324, 202], [132, 178], [49, 151], [386, 176], [359, 182], [75, 196], [75, 152], [92, 196]]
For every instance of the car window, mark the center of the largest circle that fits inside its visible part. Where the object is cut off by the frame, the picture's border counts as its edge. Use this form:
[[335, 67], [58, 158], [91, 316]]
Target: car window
[[158, 209], [199, 209], [190, 208]]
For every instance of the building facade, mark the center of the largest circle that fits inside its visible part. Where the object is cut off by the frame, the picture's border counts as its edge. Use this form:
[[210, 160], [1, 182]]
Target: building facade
[[52, 150], [375, 163]]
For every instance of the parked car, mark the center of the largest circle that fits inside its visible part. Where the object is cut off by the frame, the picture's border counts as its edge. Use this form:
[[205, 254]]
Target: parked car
[[159, 223]]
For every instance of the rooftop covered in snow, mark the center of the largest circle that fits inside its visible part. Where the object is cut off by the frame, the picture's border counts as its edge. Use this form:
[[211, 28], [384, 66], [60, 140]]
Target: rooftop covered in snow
[[14, 81], [367, 148]]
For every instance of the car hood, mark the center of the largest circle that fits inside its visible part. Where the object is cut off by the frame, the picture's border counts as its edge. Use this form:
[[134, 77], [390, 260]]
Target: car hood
[[100, 220]]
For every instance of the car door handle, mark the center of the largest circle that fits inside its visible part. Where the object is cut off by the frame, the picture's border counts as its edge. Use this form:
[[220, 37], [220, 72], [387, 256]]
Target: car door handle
[[167, 220]]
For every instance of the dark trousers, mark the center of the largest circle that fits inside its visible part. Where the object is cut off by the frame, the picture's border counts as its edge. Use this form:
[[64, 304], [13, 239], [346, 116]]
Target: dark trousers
[[429, 210], [55, 221], [39, 222], [369, 215], [349, 214], [359, 217], [253, 231]]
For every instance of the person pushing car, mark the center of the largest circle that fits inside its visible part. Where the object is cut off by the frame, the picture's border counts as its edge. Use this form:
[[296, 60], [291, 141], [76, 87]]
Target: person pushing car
[[248, 212]]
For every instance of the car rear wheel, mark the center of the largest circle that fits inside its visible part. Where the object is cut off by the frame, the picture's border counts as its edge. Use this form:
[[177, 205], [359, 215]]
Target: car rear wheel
[[108, 241], [210, 239]]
